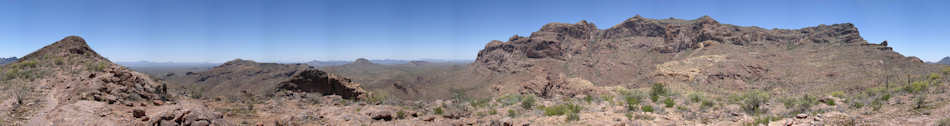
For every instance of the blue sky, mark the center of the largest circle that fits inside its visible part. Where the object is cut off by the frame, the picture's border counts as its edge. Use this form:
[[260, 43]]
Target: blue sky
[[294, 31]]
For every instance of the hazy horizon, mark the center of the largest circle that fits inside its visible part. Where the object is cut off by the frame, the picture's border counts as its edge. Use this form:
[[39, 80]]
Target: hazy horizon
[[300, 31]]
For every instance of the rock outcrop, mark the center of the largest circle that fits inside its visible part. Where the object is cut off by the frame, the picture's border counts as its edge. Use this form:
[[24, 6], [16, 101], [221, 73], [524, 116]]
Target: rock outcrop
[[235, 77], [317, 81]]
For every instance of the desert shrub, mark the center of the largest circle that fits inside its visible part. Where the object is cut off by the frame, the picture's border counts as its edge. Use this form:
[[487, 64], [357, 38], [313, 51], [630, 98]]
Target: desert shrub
[[876, 105], [945, 121], [528, 102], [934, 76], [588, 99], [562, 109], [377, 97], [646, 108], [400, 114], [920, 101], [512, 113], [657, 90], [838, 94], [492, 111], [706, 104], [629, 115], [946, 70], [643, 117], [479, 103], [829, 102], [96, 66], [509, 99], [857, 105], [608, 98], [764, 120], [753, 102], [632, 100], [668, 102], [917, 86], [695, 97], [438, 111], [573, 117]]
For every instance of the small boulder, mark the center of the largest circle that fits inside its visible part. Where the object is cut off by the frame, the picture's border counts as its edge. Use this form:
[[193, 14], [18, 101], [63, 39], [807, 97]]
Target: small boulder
[[801, 116], [138, 113]]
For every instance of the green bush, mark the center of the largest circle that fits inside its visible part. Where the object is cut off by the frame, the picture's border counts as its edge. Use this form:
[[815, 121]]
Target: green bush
[[917, 86], [512, 113], [753, 102], [400, 114], [438, 111], [838, 94], [668, 102], [562, 109], [695, 97], [920, 101], [829, 102], [509, 99], [632, 101], [646, 108], [764, 120], [657, 90], [573, 117], [706, 104], [528, 102], [934, 76], [946, 70], [945, 121]]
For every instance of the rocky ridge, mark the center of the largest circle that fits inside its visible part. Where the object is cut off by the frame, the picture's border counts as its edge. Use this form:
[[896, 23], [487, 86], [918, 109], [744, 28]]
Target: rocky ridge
[[239, 77], [69, 83]]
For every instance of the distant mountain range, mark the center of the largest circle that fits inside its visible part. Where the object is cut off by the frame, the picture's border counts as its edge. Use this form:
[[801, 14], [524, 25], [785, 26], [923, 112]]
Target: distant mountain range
[[945, 60], [7, 60], [319, 63]]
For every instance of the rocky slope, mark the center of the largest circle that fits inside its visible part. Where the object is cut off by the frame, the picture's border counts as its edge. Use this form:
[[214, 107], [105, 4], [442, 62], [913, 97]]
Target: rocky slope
[[238, 77], [67, 83]]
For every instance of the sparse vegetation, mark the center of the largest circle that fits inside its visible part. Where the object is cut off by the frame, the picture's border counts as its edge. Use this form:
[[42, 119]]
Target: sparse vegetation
[[509, 99], [945, 121], [528, 102], [562, 109], [657, 90], [632, 100], [753, 102], [668, 102], [512, 113], [646, 108], [438, 111], [763, 120]]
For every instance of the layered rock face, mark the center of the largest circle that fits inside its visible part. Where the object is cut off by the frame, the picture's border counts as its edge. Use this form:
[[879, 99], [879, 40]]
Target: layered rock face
[[561, 41], [67, 83], [317, 81], [238, 76], [640, 51]]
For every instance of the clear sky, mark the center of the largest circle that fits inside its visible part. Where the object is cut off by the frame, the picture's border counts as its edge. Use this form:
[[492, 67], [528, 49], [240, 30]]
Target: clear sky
[[294, 31]]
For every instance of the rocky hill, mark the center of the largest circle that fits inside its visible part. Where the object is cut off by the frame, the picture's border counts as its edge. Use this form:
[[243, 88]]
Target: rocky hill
[[244, 77], [67, 83], [7, 60]]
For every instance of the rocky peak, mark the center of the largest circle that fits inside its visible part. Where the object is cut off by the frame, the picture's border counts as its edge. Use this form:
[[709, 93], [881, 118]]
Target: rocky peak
[[362, 61], [71, 46], [239, 62]]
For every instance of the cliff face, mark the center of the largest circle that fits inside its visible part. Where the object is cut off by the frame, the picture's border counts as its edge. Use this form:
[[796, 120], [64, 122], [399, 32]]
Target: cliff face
[[639, 51]]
